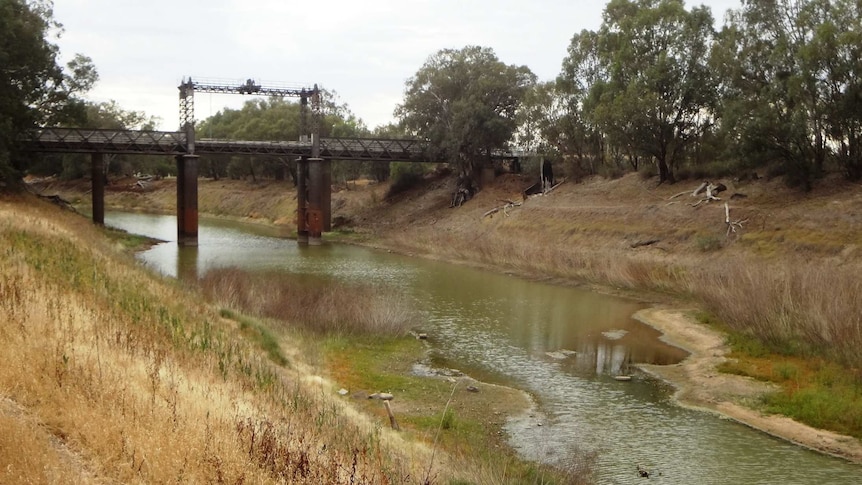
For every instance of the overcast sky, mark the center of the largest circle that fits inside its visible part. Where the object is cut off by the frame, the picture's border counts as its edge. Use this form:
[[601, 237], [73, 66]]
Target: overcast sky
[[364, 50]]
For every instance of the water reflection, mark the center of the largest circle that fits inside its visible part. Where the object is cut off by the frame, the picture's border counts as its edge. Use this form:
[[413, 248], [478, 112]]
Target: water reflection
[[560, 344]]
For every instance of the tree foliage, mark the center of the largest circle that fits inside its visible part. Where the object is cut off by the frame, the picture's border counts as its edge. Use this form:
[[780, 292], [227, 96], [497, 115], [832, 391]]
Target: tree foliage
[[792, 94], [276, 119], [642, 79], [465, 102], [777, 88], [34, 89]]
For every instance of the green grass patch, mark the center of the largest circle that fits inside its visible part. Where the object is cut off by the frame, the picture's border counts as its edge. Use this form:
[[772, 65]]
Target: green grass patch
[[260, 334], [813, 391], [471, 423], [131, 242]]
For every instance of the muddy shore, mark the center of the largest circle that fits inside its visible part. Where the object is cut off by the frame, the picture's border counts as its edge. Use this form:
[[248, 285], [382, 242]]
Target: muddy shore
[[700, 386]]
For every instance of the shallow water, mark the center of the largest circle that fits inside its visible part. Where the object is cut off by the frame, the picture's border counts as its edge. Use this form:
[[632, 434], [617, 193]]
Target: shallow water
[[562, 345]]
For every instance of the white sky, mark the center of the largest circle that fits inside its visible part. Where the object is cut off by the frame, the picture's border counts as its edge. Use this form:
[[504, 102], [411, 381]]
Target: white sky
[[365, 50]]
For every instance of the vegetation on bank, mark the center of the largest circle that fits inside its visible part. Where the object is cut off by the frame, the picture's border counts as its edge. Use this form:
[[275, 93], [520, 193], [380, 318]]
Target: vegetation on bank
[[110, 373], [788, 284]]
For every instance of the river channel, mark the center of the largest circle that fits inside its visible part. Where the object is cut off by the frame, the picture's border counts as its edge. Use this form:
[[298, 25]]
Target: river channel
[[562, 345]]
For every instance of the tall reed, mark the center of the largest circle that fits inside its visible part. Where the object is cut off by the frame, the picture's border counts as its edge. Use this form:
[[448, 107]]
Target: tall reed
[[314, 305]]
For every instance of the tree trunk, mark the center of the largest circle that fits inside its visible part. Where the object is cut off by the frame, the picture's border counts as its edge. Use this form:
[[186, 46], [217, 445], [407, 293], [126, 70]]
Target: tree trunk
[[665, 174]]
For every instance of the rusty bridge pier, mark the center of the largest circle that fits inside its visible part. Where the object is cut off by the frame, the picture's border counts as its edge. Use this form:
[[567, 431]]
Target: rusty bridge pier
[[187, 200], [318, 201]]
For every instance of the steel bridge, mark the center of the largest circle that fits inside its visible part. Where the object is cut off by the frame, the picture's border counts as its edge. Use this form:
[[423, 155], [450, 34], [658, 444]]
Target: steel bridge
[[313, 154], [175, 143]]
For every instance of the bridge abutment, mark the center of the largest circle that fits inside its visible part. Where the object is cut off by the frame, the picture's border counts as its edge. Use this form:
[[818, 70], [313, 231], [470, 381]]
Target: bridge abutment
[[187, 200]]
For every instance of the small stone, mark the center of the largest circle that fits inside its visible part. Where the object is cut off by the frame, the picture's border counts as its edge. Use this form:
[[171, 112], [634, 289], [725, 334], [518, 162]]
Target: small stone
[[343, 392], [472, 388], [540, 424]]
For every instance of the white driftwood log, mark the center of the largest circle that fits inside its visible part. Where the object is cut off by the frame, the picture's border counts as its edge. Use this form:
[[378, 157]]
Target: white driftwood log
[[731, 225]]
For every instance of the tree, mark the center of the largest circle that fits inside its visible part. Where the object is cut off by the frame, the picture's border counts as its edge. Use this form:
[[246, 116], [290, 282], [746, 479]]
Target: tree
[[659, 91], [276, 119], [465, 102], [793, 95], [578, 88], [34, 90]]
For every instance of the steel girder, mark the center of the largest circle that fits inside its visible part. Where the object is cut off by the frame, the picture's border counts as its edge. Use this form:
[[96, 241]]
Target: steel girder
[[81, 140]]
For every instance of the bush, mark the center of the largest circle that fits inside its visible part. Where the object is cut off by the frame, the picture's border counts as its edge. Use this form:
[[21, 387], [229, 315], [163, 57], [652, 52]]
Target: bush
[[405, 176]]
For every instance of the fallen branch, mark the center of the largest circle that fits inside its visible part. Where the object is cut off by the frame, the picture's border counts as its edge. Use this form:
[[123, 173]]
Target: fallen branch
[[731, 225], [505, 207], [648, 242]]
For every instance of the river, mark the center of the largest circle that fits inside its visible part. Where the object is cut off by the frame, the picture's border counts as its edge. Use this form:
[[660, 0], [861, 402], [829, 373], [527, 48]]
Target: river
[[562, 345]]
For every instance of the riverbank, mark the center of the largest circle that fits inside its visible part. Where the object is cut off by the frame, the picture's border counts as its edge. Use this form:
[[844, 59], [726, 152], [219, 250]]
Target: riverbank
[[628, 237], [110, 373], [700, 385]]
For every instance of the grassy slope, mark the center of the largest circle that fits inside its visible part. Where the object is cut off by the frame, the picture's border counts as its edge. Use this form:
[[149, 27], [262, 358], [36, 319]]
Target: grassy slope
[[110, 374]]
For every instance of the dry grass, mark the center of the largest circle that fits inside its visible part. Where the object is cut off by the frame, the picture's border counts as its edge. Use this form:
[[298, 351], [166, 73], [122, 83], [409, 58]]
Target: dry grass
[[327, 307], [109, 374]]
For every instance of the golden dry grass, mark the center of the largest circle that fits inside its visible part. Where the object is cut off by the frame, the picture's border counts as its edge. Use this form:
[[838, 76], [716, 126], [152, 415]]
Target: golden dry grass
[[109, 374]]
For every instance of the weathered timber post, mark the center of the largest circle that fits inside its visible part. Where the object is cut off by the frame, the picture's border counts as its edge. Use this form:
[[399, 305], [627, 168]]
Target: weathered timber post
[[301, 200], [98, 184], [187, 200]]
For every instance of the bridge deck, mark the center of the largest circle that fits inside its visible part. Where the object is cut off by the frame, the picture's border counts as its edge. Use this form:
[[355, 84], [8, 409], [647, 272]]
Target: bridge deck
[[80, 140]]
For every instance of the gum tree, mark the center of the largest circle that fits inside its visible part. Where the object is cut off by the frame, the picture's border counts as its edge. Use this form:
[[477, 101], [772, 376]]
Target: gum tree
[[34, 89], [465, 101]]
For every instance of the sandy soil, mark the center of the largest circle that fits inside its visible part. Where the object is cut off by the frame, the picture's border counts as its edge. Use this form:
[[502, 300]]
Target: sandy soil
[[700, 386]]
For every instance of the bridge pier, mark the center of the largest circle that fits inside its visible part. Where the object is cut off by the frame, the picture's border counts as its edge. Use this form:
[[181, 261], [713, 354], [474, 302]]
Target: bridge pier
[[187, 200], [301, 200], [313, 200], [97, 172]]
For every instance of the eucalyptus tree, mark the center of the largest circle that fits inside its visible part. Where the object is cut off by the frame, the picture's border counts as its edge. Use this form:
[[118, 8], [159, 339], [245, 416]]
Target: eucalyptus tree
[[275, 119], [792, 94], [465, 102], [573, 129], [34, 89], [659, 93]]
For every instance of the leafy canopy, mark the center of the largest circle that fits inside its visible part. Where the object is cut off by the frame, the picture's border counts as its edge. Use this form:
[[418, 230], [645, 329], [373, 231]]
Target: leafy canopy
[[34, 89], [465, 102]]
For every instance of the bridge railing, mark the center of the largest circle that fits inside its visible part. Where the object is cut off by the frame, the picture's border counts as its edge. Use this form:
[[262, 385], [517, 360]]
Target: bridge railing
[[242, 147], [381, 149], [87, 140]]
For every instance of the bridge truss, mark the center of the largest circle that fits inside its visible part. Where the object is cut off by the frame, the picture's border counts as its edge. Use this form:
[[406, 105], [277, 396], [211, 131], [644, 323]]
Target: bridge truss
[[85, 140], [188, 87]]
